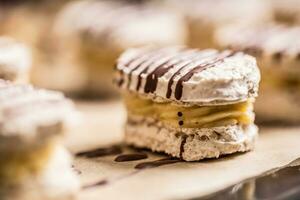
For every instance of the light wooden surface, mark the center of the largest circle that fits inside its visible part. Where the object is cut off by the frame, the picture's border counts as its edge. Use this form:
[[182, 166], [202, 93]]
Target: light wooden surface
[[103, 126]]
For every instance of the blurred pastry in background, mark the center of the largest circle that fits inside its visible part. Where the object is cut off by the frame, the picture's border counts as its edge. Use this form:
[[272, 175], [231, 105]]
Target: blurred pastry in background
[[31, 22], [101, 30], [204, 16], [15, 60], [189, 103], [286, 11], [277, 48], [34, 165]]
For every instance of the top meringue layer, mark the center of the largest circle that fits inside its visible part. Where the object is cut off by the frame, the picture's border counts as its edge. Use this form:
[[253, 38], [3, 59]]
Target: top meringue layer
[[270, 40], [27, 113], [121, 25], [189, 75]]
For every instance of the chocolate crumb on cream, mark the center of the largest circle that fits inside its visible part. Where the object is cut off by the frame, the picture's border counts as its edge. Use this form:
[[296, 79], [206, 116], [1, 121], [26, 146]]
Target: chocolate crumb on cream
[[192, 92]]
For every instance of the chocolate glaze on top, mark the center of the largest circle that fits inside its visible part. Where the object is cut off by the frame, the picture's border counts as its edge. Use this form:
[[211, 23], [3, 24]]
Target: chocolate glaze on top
[[161, 61], [162, 69], [197, 69]]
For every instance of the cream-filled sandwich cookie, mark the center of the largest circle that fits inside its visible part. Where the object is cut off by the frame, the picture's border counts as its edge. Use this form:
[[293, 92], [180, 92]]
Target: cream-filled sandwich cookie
[[15, 60], [100, 30], [277, 49], [189, 103], [205, 16], [31, 154]]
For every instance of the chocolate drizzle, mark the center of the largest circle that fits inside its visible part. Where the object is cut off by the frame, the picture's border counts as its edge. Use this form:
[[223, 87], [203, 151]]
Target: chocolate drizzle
[[162, 69], [99, 183], [170, 83], [145, 70], [100, 152], [130, 157], [156, 163], [141, 60], [197, 69], [161, 61], [183, 141]]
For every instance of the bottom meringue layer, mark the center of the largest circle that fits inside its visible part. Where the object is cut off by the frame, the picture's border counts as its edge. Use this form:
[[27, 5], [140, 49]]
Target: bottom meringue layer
[[190, 144], [191, 116]]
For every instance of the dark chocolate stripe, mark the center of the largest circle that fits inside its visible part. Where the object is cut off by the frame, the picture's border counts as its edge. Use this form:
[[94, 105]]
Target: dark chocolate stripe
[[145, 70], [197, 69], [143, 59], [162, 69], [171, 81]]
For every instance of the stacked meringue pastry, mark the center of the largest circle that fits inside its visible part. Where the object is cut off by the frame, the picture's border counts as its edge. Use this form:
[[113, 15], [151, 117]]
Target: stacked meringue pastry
[[34, 164], [32, 124], [189, 103], [276, 48]]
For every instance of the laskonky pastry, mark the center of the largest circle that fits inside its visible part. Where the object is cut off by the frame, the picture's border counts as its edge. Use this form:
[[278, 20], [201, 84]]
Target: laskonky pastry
[[99, 31], [277, 49], [34, 165], [205, 16], [189, 103]]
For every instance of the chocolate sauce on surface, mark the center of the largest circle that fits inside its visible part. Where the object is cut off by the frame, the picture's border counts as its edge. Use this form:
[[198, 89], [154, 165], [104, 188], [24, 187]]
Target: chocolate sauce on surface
[[100, 152], [99, 183], [156, 163], [130, 157], [283, 184]]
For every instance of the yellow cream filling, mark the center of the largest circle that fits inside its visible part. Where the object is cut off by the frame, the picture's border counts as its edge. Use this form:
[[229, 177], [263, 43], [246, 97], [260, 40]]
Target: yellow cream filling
[[193, 116], [18, 164]]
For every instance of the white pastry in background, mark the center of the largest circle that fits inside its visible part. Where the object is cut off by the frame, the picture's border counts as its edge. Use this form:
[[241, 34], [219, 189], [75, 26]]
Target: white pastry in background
[[204, 16], [189, 103], [100, 30], [15, 60], [34, 164], [277, 49]]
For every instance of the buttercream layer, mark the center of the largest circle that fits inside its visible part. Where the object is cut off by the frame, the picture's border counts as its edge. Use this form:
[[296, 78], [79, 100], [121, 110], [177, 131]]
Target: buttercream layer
[[19, 164], [56, 181], [194, 116]]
